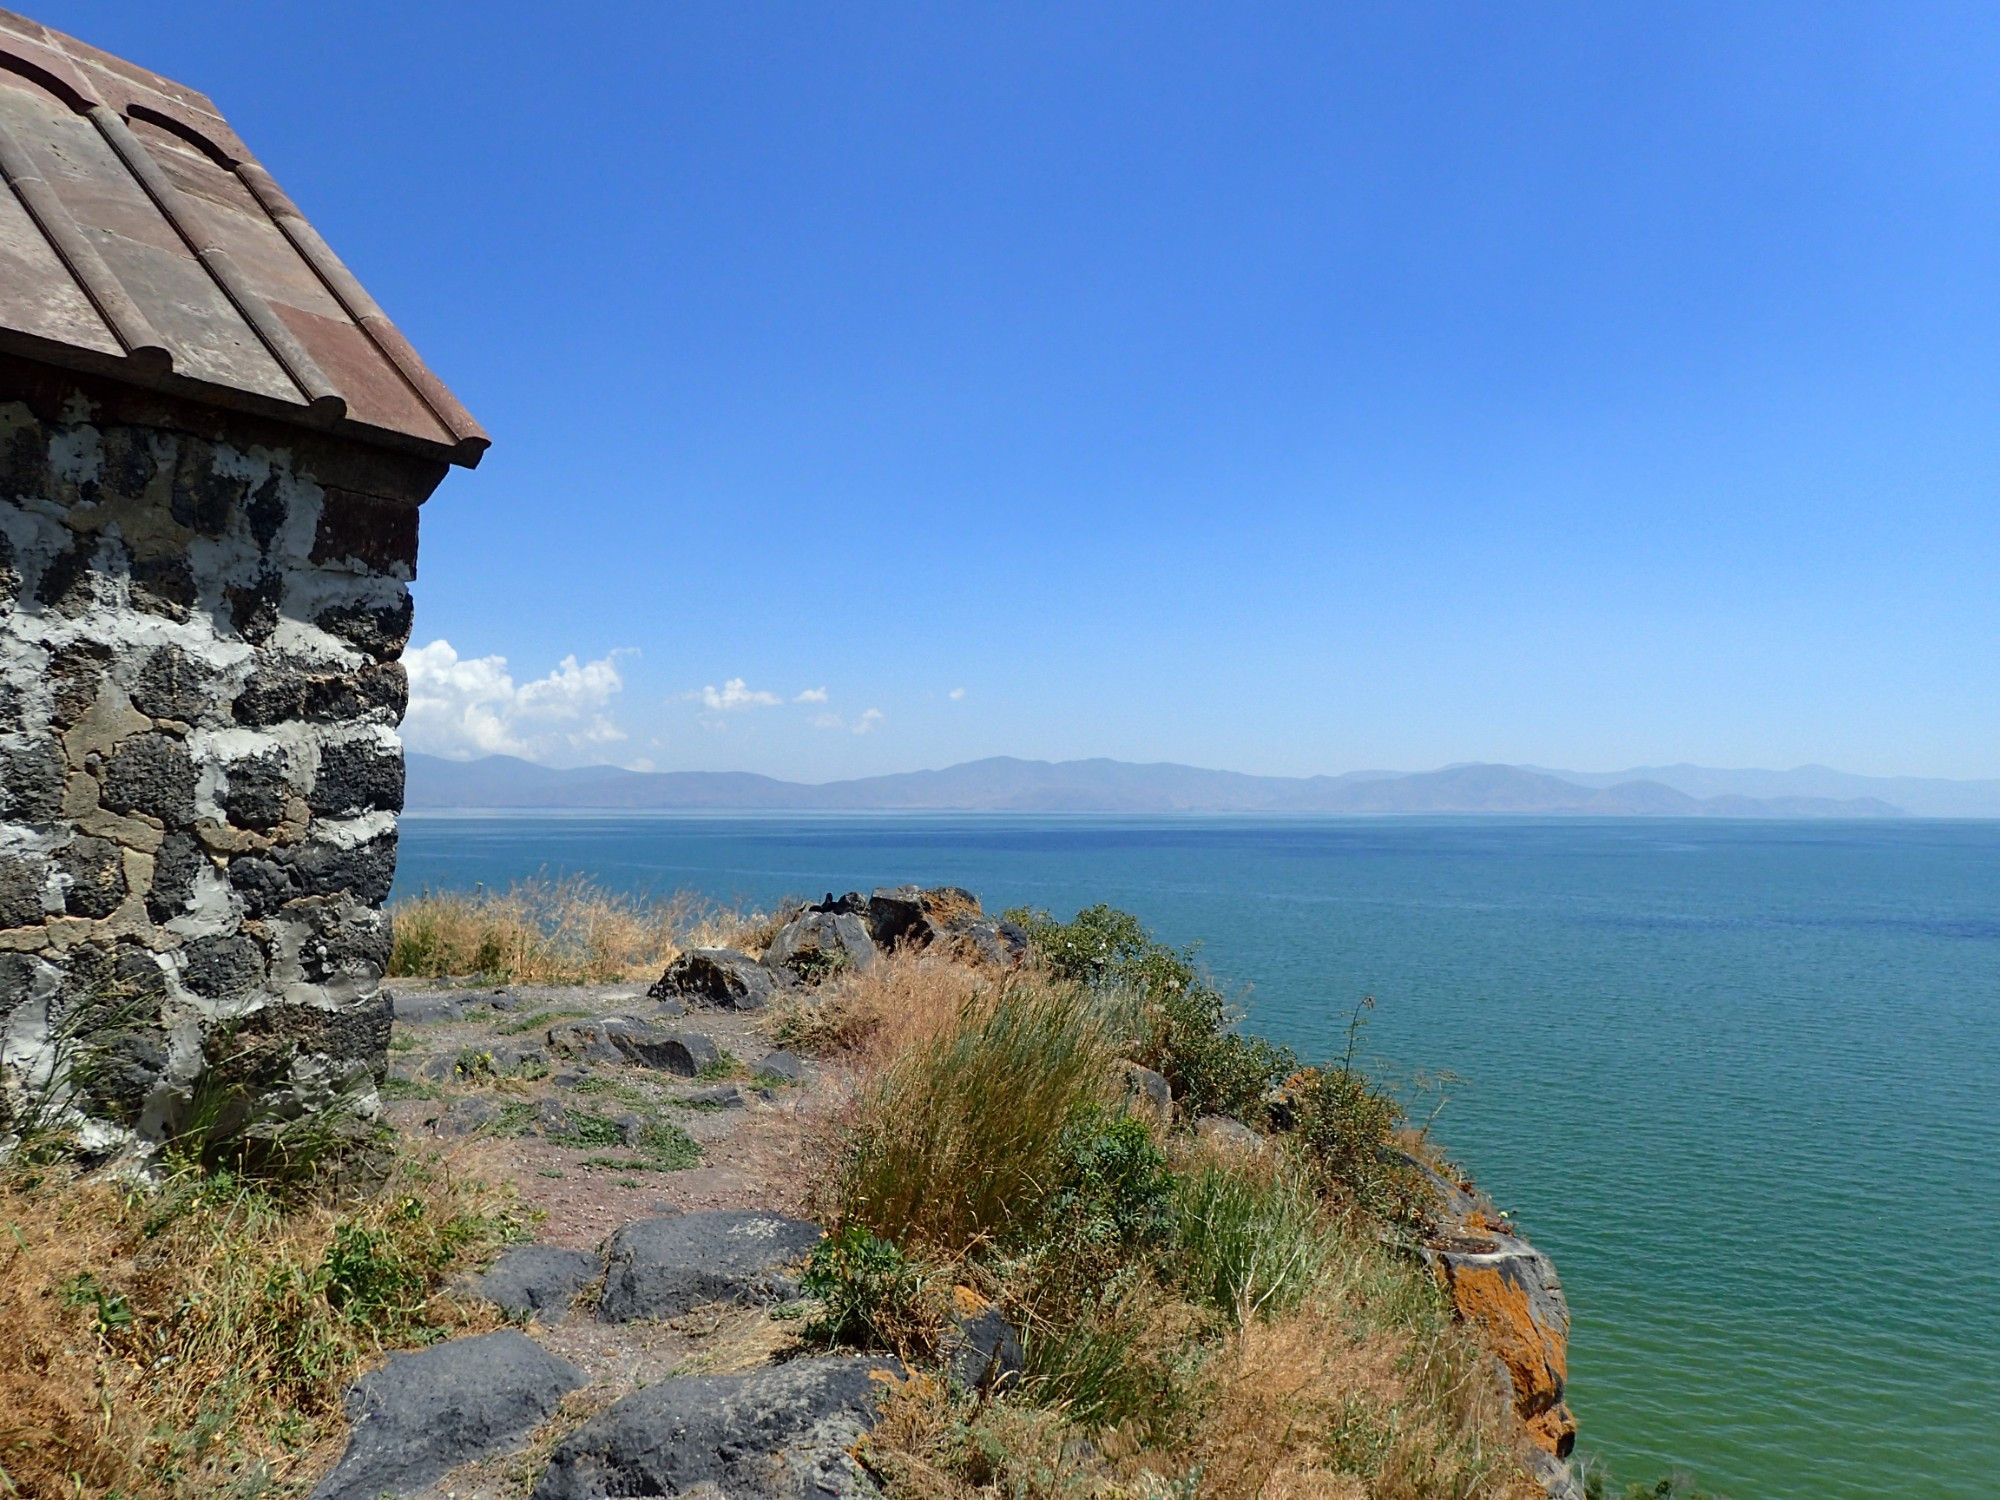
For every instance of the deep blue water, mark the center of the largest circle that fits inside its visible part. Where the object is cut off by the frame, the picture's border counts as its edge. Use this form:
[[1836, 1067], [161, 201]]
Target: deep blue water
[[1742, 1080]]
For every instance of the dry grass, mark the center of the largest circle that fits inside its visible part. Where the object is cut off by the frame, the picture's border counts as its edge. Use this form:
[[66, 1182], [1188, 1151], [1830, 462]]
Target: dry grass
[[557, 932], [195, 1338], [1266, 1343], [870, 1018], [957, 1140]]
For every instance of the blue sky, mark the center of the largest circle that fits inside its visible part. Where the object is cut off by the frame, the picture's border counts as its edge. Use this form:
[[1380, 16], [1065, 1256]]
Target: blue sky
[[1289, 389]]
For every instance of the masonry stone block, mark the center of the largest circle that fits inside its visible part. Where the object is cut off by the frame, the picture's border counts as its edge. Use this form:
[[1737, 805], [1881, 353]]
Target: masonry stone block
[[151, 774], [356, 777]]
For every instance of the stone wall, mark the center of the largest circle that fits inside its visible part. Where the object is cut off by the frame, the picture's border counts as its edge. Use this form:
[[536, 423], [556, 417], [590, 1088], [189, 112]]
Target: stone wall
[[200, 618]]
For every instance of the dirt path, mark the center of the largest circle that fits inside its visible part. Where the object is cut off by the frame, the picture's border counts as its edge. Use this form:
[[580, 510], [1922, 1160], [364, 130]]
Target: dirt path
[[593, 1141]]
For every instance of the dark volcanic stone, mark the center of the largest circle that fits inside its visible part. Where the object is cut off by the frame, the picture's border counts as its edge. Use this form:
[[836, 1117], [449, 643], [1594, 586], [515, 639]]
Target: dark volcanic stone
[[380, 534], [223, 968], [336, 698], [380, 630], [777, 1434], [983, 1348], [172, 685], [174, 868], [424, 1413], [659, 1268], [786, 1065], [264, 884], [539, 1279], [96, 871], [151, 773], [719, 978], [272, 694], [254, 607], [20, 892], [258, 786], [358, 776], [365, 872], [31, 781], [163, 586], [820, 943], [619, 1040]]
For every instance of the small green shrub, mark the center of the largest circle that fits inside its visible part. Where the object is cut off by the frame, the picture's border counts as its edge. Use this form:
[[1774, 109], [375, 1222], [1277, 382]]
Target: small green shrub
[[870, 1294], [726, 1065], [668, 1147], [1344, 1132], [583, 1128], [1186, 1028], [1116, 1193]]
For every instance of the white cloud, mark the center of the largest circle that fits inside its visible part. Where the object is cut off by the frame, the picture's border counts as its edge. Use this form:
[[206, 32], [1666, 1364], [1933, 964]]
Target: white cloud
[[466, 706], [868, 721], [828, 721], [811, 695], [641, 763], [734, 696], [955, 694]]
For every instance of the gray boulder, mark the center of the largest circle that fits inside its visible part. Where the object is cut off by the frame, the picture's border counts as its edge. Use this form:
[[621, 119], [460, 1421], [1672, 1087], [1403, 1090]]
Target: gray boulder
[[820, 943], [538, 1280], [422, 1010], [1229, 1136], [424, 1413], [615, 1039], [717, 979], [1147, 1094], [786, 1065], [660, 1268], [777, 1434], [912, 917], [983, 1350]]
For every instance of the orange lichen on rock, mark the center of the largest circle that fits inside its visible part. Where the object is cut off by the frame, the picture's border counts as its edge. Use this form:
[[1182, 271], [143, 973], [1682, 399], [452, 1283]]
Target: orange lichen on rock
[[1507, 1289]]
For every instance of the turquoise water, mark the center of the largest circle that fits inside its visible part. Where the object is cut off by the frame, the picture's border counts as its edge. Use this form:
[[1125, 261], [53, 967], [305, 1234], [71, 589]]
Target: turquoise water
[[1741, 1080]]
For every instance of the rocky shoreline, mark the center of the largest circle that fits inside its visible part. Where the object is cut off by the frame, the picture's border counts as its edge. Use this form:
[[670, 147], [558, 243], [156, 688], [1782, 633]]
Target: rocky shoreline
[[663, 1138]]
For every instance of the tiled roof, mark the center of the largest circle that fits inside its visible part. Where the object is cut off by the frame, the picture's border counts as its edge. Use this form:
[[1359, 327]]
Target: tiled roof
[[140, 239]]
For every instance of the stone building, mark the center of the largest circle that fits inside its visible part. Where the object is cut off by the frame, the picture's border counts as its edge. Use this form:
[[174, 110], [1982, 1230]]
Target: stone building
[[212, 450]]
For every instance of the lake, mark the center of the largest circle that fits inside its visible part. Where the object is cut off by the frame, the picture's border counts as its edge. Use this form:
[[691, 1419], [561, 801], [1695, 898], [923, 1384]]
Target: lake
[[1741, 1080]]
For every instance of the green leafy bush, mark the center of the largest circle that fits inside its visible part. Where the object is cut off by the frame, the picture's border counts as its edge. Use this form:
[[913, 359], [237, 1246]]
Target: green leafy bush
[[1116, 1193], [1344, 1132], [870, 1294], [1186, 1028]]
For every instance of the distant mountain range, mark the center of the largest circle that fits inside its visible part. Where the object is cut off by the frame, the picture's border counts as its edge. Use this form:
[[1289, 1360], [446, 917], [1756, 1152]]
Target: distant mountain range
[[1004, 784]]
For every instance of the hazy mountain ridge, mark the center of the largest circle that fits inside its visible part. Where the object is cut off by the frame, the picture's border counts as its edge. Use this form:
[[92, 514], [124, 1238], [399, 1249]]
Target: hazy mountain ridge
[[1005, 784]]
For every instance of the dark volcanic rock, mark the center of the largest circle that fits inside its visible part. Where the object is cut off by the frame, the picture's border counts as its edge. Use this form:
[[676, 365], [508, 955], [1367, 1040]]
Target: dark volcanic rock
[[786, 1065], [422, 1414], [778, 1434], [719, 978], [659, 1268], [618, 1040], [151, 773], [820, 943], [983, 1348], [539, 1279]]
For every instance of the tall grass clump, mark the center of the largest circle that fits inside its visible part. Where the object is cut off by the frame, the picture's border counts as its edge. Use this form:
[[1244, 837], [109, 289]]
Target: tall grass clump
[[564, 931], [1252, 1241], [958, 1144]]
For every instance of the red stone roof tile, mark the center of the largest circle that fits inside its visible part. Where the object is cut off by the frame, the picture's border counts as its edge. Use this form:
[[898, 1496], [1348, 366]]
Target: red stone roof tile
[[139, 238]]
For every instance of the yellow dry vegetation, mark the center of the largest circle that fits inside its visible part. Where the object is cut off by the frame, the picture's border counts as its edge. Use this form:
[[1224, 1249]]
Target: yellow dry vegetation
[[558, 931], [182, 1339]]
